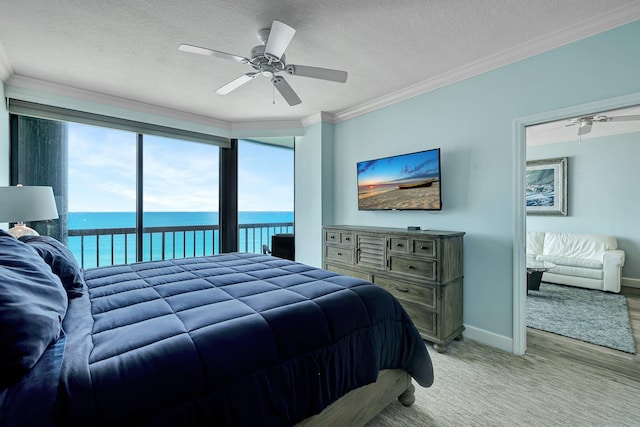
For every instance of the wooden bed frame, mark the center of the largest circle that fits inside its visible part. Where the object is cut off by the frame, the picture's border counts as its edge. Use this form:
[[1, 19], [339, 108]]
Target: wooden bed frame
[[359, 406]]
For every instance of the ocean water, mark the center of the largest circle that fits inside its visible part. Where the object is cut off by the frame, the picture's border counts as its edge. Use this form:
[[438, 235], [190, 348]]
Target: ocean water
[[92, 220], [93, 251]]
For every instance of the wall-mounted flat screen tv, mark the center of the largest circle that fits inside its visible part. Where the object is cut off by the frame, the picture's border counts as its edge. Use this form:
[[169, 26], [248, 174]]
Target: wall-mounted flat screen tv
[[407, 181]]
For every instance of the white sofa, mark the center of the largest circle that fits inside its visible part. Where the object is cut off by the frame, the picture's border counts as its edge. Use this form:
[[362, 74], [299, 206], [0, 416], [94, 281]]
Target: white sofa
[[586, 260]]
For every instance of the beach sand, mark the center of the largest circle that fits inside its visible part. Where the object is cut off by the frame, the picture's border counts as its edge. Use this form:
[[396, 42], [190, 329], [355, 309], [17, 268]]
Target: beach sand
[[413, 198]]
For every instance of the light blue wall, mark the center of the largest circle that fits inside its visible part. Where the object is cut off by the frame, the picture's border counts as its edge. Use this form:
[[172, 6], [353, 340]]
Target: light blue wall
[[308, 195], [603, 196], [313, 190], [327, 175], [4, 139], [472, 121]]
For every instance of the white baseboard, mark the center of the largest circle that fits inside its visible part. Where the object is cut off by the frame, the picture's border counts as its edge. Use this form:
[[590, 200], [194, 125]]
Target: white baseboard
[[630, 283], [488, 338]]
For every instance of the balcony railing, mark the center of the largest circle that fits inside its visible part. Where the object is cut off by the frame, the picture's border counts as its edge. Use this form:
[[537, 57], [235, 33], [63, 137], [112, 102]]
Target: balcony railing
[[112, 246]]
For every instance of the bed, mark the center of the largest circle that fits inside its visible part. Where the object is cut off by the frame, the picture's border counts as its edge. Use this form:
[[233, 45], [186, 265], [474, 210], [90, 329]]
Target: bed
[[232, 339]]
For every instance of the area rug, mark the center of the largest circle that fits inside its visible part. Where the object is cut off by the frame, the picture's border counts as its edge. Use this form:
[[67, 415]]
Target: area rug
[[588, 315]]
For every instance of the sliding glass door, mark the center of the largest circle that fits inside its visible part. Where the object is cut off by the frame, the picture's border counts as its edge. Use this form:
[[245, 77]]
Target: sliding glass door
[[101, 194], [180, 198], [265, 191]]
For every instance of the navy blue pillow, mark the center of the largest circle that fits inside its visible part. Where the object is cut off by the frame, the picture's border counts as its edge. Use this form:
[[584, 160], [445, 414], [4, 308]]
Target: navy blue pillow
[[61, 261], [33, 303]]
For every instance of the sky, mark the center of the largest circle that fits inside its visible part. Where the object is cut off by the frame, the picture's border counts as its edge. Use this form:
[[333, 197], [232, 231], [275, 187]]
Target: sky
[[178, 175]]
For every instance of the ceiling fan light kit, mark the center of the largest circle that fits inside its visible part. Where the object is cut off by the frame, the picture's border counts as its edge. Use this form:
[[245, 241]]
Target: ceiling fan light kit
[[268, 60]]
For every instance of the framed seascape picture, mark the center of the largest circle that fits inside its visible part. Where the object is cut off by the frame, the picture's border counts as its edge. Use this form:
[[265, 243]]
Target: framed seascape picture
[[546, 182]]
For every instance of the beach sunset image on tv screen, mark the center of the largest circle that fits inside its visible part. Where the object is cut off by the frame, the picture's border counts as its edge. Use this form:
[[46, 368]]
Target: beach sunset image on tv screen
[[408, 181]]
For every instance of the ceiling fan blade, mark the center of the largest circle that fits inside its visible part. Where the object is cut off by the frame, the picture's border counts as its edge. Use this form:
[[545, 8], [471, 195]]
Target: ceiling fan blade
[[624, 118], [317, 73], [280, 36], [209, 52], [234, 84], [286, 91], [584, 128]]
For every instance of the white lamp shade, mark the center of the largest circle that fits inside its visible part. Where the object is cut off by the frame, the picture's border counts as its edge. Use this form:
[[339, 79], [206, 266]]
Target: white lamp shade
[[27, 203]]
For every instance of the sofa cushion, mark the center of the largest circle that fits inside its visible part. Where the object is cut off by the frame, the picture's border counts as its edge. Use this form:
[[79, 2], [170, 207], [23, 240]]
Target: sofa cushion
[[588, 273], [572, 262], [586, 246]]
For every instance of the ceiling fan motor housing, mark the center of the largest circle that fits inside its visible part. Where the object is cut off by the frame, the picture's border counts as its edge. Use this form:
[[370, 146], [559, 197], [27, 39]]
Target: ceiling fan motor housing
[[259, 61]]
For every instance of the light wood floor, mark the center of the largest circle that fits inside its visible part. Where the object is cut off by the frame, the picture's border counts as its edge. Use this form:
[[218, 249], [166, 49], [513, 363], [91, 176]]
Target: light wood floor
[[595, 355], [558, 382]]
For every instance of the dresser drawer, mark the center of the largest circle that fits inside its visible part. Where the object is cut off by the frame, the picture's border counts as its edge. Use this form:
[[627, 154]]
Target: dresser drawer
[[425, 320], [424, 247], [416, 267], [339, 254], [420, 294], [399, 244], [347, 271], [346, 239], [332, 236]]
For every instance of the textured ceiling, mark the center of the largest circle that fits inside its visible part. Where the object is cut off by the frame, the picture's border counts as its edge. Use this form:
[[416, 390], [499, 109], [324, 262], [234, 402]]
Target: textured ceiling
[[129, 49]]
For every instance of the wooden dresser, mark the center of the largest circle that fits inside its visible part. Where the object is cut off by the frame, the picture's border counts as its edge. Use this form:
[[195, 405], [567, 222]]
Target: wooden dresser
[[422, 269]]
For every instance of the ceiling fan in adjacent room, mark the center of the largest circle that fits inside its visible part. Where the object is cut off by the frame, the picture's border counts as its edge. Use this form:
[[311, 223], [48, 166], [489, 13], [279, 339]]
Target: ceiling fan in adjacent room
[[585, 123], [268, 60]]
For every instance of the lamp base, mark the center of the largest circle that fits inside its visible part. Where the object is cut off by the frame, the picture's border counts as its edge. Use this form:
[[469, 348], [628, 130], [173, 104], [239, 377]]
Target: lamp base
[[20, 230]]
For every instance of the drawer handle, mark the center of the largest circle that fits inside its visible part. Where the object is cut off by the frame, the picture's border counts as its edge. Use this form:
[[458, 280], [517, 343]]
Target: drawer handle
[[332, 237], [347, 238], [410, 267], [423, 247], [398, 288], [399, 244], [339, 253]]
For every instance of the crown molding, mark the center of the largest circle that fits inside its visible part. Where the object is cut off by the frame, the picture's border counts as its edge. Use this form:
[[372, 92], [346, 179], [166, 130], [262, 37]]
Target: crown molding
[[35, 90], [6, 71], [311, 120], [598, 24], [322, 116]]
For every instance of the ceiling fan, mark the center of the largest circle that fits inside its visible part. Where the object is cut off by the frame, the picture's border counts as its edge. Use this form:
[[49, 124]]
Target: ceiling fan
[[268, 60], [585, 123]]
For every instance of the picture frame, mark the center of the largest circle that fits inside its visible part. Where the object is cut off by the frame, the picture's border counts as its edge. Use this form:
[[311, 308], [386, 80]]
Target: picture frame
[[546, 187]]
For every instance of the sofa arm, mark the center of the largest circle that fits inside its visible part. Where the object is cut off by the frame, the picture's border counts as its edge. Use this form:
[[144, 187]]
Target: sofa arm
[[612, 262]]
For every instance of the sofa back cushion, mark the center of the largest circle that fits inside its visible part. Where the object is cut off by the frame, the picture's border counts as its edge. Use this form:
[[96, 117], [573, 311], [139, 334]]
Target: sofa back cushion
[[570, 245], [535, 242]]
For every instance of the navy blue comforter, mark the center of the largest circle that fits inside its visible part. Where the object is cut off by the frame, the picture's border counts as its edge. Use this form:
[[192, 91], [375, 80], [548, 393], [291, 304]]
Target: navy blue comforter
[[232, 339]]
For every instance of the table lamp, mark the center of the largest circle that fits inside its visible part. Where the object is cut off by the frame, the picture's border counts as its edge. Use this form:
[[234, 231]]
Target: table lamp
[[26, 203]]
